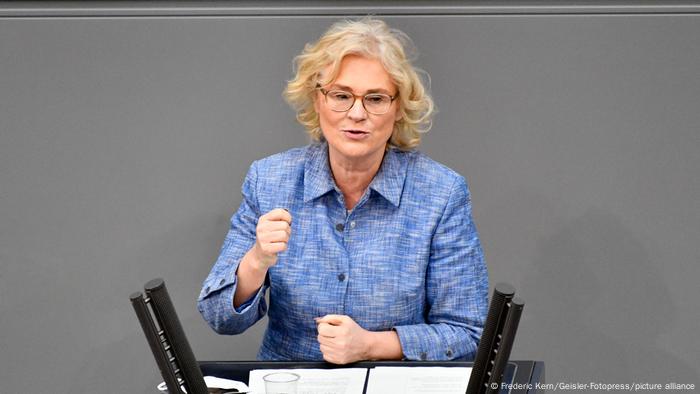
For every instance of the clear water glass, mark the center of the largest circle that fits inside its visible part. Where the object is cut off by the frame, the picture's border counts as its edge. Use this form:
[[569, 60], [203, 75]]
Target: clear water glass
[[281, 383]]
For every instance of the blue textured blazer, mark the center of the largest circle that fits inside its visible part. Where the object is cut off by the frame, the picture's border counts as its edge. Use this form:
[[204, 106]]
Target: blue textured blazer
[[407, 257]]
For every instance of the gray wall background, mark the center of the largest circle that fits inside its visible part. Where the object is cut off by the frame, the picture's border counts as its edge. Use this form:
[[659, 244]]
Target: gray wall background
[[125, 133]]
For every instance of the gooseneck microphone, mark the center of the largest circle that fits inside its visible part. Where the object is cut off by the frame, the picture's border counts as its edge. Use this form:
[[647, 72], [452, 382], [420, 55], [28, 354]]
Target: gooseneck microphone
[[496, 340], [168, 342]]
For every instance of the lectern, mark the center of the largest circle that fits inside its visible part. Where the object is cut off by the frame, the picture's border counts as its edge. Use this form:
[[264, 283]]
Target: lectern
[[180, 369]]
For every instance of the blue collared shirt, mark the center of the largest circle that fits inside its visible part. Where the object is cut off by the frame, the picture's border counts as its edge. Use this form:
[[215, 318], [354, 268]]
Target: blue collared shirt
[[407, 257]]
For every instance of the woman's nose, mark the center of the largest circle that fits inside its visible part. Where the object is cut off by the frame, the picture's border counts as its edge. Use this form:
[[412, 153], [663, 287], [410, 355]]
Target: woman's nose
[[357, 111]]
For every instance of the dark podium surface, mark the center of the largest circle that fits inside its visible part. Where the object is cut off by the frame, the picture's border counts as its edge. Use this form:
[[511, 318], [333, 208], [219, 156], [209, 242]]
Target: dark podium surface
[[522, 376]]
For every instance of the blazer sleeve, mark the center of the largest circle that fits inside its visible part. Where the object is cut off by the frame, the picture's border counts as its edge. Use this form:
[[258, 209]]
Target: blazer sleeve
[[215, 301]]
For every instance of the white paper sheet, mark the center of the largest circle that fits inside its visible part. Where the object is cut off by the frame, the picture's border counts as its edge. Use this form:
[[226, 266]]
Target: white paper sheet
[[212, 382], [316, 381], [418, 380]]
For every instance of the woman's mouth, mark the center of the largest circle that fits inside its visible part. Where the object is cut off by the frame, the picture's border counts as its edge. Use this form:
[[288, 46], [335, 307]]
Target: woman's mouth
[[355, 134]]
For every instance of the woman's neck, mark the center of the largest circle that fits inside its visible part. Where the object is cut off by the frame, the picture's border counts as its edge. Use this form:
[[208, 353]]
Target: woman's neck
[[354, 176]]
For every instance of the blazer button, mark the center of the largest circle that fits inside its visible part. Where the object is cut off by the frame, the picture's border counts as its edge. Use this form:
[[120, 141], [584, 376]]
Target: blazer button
[[340, 227], [341, 277], [424, 356], [448, 353]]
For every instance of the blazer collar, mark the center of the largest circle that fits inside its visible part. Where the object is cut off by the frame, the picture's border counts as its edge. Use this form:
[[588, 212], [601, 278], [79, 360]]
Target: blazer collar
[[388, 182]]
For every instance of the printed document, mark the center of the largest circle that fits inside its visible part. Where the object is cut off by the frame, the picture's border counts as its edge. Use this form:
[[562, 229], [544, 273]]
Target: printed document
[[418, 380]]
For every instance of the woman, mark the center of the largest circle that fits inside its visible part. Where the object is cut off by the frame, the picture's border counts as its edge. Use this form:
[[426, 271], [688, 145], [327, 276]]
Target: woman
[[366, 245]]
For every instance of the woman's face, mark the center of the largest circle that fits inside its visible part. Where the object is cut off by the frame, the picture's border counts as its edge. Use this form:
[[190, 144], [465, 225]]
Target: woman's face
[[356, 135]]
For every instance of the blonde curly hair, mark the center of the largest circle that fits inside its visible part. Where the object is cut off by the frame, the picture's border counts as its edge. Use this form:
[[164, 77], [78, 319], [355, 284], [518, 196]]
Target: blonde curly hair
[[370, 38]]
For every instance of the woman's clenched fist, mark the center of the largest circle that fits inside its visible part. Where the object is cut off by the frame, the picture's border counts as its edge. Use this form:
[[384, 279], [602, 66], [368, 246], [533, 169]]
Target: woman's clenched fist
[[272, 235]]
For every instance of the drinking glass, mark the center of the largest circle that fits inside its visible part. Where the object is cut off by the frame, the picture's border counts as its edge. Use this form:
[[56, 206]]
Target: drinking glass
[[281, 383]]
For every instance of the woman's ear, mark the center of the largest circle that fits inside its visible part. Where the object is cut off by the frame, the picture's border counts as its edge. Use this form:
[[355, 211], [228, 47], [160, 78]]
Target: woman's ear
[[399, 114], [315, 99]]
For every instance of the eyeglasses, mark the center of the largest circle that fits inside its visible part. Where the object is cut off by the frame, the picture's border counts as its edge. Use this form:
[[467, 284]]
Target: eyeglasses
[[342, 101]]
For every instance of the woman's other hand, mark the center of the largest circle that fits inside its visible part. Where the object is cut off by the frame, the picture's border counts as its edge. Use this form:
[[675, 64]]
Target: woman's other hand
[[342, 341]]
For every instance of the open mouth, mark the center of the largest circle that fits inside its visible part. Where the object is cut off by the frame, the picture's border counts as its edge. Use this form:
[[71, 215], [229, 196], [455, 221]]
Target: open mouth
[[356, 132]]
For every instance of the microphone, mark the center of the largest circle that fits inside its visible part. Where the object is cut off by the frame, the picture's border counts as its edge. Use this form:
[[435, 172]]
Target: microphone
[[496, 340]]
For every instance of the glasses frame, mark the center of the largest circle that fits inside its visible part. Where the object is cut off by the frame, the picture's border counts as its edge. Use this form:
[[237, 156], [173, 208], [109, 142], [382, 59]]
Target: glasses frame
[[354, 99]]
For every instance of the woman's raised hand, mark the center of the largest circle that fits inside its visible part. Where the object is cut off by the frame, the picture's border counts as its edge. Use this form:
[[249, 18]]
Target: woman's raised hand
[[272, 235]]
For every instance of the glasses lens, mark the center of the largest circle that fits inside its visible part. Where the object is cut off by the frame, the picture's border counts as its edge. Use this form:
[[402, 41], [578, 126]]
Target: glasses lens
[[377, 103], [340, 100]]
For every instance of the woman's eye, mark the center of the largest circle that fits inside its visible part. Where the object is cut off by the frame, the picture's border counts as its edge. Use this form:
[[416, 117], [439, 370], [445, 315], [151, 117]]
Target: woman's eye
[[341, 96], [374, 99]]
